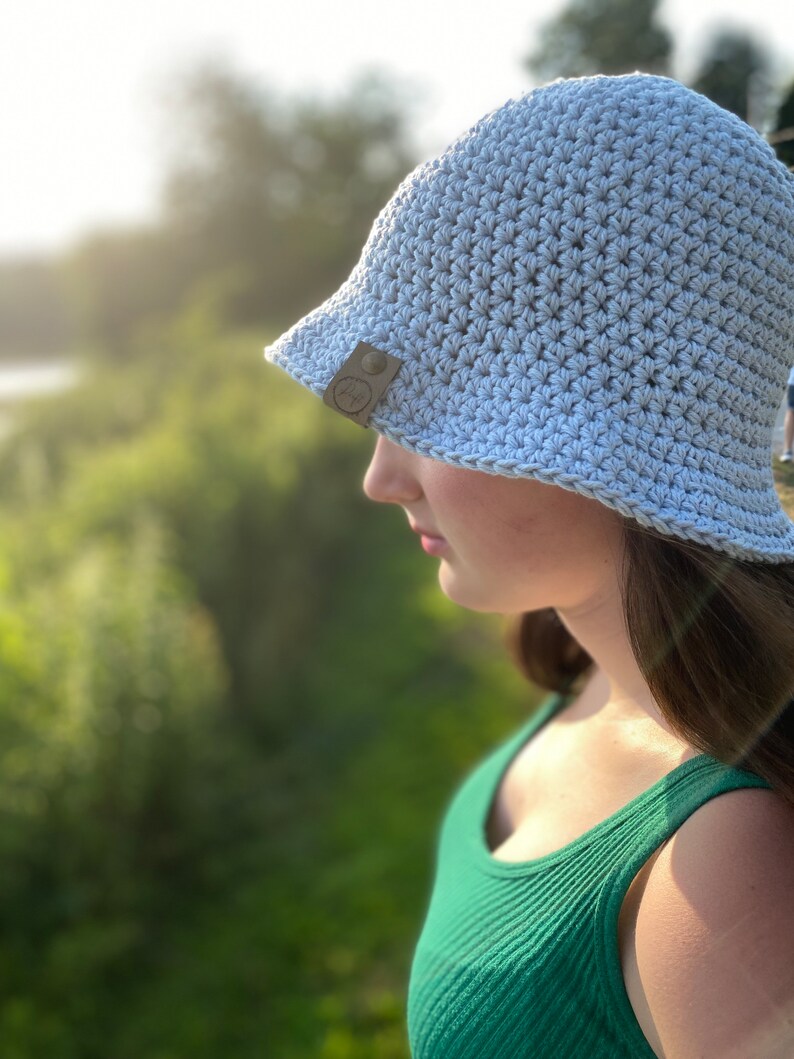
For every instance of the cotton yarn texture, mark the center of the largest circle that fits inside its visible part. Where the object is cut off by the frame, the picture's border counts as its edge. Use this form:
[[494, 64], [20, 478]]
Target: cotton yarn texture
[[592, 286]]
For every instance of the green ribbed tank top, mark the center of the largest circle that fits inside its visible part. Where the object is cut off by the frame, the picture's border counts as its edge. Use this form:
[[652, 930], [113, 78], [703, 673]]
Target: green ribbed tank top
[[521, 959]]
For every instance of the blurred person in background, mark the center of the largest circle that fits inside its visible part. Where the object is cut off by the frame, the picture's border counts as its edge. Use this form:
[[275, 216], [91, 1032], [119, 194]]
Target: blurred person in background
[[788, 424]]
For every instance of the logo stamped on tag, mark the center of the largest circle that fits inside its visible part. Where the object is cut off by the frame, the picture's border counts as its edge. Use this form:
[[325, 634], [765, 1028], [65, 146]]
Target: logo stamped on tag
[[351, 395], [361, 381]]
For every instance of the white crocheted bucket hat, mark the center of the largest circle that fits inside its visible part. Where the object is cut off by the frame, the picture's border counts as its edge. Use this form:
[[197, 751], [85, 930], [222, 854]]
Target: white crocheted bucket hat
[[592, 286]]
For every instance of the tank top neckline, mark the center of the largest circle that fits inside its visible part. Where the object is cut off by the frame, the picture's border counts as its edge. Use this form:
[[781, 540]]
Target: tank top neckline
[[502, 761]]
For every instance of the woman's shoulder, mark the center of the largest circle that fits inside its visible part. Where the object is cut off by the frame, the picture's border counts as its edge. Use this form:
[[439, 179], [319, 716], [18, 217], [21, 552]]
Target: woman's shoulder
[[714, 930]]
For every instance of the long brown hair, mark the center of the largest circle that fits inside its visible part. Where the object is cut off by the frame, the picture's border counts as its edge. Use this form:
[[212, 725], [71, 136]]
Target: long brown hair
[[713, 637]]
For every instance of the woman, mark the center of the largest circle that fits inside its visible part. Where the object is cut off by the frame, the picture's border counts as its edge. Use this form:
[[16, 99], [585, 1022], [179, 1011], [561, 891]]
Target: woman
[[569, 331]]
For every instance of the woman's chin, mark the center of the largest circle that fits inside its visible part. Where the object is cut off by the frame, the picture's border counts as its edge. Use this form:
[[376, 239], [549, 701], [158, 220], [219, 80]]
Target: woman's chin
[[468, 595]]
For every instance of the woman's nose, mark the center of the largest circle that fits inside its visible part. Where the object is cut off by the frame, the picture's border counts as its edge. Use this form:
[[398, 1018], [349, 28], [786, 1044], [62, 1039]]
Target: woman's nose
[[388, 478]]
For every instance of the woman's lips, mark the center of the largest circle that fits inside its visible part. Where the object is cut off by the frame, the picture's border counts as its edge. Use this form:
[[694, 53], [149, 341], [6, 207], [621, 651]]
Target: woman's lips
[[432, 543]]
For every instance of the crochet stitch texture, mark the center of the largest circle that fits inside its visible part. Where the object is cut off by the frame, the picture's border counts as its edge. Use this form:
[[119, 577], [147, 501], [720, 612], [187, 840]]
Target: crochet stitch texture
[[592, 286]]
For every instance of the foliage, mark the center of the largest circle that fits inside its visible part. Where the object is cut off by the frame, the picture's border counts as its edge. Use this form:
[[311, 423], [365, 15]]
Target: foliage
[[233, 705], [734, 73], [783, 128], [35, 314], [112, 680], [601, 37], [266, 201], [118, 280], [233, 701], [269, 198]]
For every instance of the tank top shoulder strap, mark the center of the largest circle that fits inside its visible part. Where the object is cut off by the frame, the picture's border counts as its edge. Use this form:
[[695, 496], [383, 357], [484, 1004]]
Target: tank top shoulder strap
[[665, 806], [659, 813], [658, 816]]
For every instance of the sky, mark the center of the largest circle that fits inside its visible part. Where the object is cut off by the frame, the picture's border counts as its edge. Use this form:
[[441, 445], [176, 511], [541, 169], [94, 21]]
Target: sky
[[83, 128]]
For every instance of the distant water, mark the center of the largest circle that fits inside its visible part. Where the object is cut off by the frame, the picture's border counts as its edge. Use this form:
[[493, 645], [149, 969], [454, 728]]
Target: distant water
[[31, 379]]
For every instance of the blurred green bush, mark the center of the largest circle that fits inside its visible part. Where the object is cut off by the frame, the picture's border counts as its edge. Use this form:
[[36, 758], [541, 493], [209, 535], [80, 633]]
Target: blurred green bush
[[233, 702]]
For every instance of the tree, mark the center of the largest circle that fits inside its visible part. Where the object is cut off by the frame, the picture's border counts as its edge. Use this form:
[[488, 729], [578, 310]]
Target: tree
[[734, 73], [285, 190], [35, 316], [118, 279], [601, 36], [782, 134], [265, 205]]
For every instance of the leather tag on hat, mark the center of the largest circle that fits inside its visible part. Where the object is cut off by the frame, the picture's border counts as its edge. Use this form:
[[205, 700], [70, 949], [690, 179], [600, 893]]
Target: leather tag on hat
[[361, 382]]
